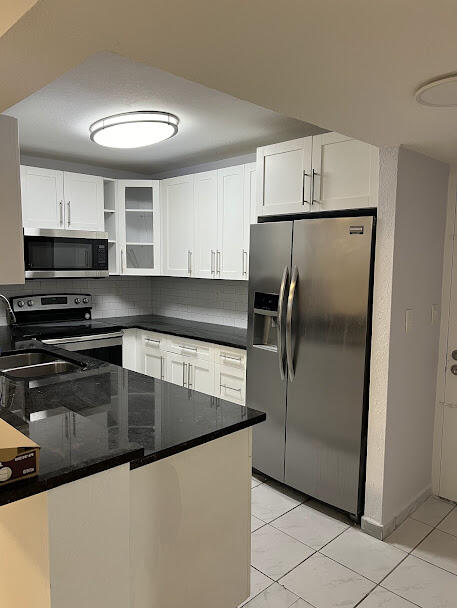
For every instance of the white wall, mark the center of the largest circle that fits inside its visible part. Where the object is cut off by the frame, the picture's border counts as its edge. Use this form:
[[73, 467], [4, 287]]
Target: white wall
[[408, 272]]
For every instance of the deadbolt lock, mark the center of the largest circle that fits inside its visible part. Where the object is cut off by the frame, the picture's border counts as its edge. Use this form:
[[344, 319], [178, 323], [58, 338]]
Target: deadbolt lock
[[454, 355]]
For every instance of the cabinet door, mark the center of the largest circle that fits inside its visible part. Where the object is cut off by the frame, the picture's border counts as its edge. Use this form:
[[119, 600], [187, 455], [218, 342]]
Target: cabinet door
[[139, 227], [284, 177], [250, 201], [84, 201], [42, 198], [230, 386], [176, 370], [205, 201], [177, 196], [345, 173], [200, 375], [233, 220], [154, 363]]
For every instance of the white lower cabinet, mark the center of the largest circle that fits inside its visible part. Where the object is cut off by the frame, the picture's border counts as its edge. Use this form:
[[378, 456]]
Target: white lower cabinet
[[230, 374], [201, 366]]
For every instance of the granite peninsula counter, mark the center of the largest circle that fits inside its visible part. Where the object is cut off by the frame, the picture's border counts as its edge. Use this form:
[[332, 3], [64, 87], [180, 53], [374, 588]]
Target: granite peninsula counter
[[143, 496]]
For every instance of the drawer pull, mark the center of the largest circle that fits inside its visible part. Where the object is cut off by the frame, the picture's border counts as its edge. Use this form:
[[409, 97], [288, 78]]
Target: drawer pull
[[231, 388], [231, 358], [152, 341], [193, 349]]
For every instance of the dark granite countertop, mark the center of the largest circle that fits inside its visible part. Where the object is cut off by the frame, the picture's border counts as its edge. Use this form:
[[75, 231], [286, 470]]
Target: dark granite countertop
[[103, 416], [208, 332]]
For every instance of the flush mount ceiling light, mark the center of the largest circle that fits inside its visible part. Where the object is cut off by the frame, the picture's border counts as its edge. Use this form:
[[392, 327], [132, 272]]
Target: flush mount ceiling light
[[441, 93], [134, 129]]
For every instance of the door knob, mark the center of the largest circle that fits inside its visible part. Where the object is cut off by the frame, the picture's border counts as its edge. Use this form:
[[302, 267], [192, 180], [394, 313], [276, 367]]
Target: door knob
[[454, 370]]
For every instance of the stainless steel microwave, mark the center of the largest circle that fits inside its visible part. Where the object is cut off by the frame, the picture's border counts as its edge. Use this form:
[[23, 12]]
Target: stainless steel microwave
[[65, 254]]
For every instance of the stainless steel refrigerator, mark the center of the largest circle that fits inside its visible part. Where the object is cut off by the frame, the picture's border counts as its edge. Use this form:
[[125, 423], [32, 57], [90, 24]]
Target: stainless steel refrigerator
[[309, 332]]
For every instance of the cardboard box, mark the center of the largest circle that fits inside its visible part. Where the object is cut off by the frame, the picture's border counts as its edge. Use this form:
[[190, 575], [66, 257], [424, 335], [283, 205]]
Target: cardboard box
[[19, 455]]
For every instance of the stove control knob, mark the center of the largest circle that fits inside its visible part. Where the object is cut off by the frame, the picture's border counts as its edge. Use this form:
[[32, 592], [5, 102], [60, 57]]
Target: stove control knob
[[87, 316], [77, 300], [30, 302], [20, 303], [86, 300]]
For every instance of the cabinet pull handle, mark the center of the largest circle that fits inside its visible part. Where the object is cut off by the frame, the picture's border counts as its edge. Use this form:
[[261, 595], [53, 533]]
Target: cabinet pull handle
[[230, 388], [191, 348], [184, 374], [161, 368], [61, 213], [189, 262], [245, 259], [231, 358], [152, 341], [313, 179], [122, 261], [189, 383], [305, 175], [69, 212], [212, 261], [218, 262]]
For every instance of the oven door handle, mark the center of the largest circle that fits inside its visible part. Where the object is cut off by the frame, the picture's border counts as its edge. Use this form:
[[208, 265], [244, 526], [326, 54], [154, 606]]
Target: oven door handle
[[91, 338]]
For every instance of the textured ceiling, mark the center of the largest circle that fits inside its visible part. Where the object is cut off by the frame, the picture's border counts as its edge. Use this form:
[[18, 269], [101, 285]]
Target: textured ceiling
[[350, 66], [54, 121]]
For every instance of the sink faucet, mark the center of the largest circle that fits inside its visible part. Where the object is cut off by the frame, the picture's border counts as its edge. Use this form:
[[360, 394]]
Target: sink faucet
[[10, 316]]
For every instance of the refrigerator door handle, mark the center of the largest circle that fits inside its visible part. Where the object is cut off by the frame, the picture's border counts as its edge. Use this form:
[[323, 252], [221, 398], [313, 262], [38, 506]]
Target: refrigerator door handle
[[289, 315], [282, 290]]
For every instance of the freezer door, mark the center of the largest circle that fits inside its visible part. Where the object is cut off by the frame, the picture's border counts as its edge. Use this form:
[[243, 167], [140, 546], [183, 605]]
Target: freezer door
[[327, 333], [269, 272]]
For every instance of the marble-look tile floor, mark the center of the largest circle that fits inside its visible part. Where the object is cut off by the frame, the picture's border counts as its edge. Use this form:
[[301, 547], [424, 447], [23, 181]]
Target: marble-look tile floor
[[308, 555]]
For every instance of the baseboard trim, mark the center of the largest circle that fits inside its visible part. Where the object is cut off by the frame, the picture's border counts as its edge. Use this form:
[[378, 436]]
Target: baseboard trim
[[382, 531]]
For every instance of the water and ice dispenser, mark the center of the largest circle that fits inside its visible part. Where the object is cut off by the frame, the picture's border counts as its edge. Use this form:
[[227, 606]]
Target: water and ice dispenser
[[266, 320]]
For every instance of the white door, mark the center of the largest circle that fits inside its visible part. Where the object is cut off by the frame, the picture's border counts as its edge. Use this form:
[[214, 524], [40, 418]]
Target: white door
[[176, 370], [84, 201], [154, 363], [200, 375], [205, 202], [345, 173], [233, 220], [284, 177], [42, 198], [177, 197], [139, 227]]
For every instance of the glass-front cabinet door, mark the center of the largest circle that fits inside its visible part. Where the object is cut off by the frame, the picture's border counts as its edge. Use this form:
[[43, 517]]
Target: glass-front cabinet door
[[139, 227]]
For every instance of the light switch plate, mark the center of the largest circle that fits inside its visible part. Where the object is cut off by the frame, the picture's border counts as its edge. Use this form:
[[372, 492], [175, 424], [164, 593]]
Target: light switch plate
[[409, 319], [435, 314]]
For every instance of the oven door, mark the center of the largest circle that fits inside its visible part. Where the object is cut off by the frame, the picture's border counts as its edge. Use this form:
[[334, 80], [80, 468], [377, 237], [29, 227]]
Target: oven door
[[65, 254], [106, 347]]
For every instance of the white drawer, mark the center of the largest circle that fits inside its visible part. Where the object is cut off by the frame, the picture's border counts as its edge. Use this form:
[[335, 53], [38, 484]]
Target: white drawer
[[189, 348], [152, 339], [231, 359], [231, 387]]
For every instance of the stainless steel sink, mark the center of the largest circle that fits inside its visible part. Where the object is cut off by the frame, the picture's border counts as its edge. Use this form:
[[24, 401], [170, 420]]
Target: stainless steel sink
[[42, 370], [25, 359]]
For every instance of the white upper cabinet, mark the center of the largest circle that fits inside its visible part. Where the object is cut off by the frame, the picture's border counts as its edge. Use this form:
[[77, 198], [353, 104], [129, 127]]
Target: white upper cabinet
[[284, 177], [139, 227], [233, 221], [61, 200], [319, 173], [177, 198], [345, 173], [42, 198], [84, 201], [206, 224]]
